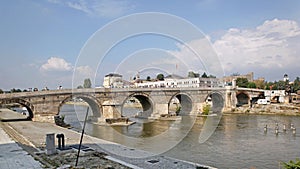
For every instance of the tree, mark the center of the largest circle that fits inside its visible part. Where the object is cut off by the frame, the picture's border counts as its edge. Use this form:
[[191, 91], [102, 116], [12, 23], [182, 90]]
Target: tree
[[273, 85], [281, 84], [1, 91], [242, 82], [192, 74], [79, 87], [148, 78], [267, 86], [204, 75], [15, 90], [251, 85], [296, 85], [87, 83], [261, 84], [160, 77], [212, 76]]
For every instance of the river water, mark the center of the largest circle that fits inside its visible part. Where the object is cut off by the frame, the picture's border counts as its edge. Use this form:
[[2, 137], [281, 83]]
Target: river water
[[239, 141]]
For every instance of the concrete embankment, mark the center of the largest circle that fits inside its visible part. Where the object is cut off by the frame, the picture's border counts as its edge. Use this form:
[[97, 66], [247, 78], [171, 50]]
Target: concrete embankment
[[9, 115], [35, 133], [269, 109], [12, 155]]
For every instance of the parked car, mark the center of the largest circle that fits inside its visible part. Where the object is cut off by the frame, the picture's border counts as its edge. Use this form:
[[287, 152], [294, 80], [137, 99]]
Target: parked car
[[263, 101]]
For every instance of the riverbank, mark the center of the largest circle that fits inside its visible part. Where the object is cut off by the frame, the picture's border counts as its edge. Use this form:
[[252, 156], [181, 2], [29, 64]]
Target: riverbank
[[31, 136], [269, 109], [34, 144], [14, 156], [9, 115]]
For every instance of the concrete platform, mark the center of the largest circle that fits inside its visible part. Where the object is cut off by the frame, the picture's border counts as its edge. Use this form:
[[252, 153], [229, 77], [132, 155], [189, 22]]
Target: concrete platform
[[12, 156], [9, 115], [147, 160]]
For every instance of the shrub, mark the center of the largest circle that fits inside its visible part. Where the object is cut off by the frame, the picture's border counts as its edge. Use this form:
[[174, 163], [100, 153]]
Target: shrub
[[292, 165], [178, 108], [206, 109]]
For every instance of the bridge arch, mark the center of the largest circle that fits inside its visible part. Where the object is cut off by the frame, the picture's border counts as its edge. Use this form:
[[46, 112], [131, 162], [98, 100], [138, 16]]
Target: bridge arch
[[92, 102], [243, 98], [145, 101], [24, 103], [217, 101], [183, 102]]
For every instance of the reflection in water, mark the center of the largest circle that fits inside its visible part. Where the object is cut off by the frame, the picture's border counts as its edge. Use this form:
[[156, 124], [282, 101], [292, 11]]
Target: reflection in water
[[145, 129], [238, 142], [211, 124]]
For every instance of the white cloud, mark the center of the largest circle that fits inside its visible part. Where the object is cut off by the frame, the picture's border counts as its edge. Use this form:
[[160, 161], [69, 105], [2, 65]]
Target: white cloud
[[111, 8], [282, 28], [269, 50], [272, 46], [101, 8], [80, 73], [200, 56], [80, 5], [55, 1], [56, 64], [85, 71]]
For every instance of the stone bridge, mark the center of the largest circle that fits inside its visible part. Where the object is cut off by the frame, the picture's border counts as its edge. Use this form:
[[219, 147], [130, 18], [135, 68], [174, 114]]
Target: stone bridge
[[108, 102]]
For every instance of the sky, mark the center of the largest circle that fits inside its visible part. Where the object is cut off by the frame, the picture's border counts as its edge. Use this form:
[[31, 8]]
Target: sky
[[62, 42]]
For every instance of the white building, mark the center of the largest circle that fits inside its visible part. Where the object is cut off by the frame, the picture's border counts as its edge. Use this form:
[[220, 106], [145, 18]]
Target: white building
[[113, 80], [194, 82], [156, 84], [171, 82], [275, 95]]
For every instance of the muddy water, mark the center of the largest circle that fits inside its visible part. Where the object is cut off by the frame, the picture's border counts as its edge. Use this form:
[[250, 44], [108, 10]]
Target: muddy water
[[239, 141]]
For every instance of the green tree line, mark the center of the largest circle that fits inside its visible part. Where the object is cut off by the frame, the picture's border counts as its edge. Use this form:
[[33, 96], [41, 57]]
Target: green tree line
[[276, 85]]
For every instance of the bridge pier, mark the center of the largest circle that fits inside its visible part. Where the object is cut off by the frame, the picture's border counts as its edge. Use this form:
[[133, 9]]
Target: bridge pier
[[197, 108], [230, 100], [159, 109], [111, 109], [44, 118], [45, 109]]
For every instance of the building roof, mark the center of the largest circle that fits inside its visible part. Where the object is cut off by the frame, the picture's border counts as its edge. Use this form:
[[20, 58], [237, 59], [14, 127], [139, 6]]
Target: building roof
[[113, 75]]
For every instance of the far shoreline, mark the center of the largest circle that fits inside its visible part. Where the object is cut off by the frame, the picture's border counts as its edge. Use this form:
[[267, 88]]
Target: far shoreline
[[269, 109]]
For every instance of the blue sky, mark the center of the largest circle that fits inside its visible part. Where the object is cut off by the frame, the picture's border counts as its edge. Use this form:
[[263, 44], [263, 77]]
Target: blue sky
[[41, 40]]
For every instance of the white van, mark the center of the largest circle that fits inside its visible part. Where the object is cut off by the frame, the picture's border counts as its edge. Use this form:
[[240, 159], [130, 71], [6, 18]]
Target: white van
[[263, 101]]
